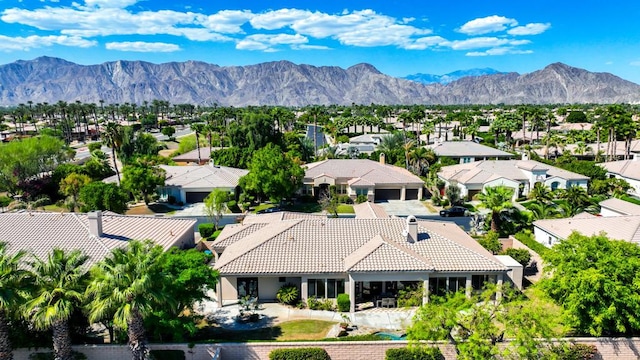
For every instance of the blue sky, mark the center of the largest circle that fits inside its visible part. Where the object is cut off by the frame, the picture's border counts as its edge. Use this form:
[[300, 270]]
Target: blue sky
[[397, 37]]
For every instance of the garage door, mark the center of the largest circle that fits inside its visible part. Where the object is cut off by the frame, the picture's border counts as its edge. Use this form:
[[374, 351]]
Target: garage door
[[387, 194], [196, 197], [411, 194]]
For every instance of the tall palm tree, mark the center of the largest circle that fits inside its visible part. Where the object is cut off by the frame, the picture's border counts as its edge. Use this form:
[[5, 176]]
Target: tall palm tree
[[198, 128], [13, 282], [496, 199], [541, 193], [113, 136], [59, 286], [126, 286], [544, 210]]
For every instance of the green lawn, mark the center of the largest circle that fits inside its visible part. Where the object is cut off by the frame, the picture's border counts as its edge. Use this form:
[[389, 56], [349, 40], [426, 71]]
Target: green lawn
[[150, 210], [286, 331], [345, 209], [263, 207], [55, 208]]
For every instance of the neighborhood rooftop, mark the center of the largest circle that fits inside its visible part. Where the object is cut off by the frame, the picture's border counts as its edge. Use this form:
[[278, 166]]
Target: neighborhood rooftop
[[482, 171], [615, 227], [39, 232], [457, 149], [203, 176], [371, 172]]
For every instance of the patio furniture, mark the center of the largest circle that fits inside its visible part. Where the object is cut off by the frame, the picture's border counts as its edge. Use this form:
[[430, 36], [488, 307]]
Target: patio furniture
[[388, 302]]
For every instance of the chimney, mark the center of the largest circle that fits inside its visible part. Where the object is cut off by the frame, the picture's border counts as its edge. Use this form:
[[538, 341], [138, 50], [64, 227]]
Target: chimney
[[95, 223], [382, 159], [412, 229], [525, 156]]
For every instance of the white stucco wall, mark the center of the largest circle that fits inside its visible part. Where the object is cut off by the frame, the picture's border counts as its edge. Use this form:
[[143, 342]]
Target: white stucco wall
[[635, 184], [606, 212], [504, 182], [268, 288], [544, 237]]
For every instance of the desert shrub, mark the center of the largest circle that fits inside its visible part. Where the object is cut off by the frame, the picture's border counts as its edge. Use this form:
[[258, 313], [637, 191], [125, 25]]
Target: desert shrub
[[410, 296], [288, 294], [344, 303], [491, 243], [167, 355], [574, 351], [361, 198], [313, 303], [414, 353], [327, 304], [523, 256], [206, 230], [299, 354]]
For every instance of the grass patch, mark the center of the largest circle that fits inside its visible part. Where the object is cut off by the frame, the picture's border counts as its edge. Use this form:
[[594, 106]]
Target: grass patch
[[263, 207], [429, 206], [630, 199], [55, 208], [537, 298], [296, 330], [150, 210], [345, 209], [310, 207]]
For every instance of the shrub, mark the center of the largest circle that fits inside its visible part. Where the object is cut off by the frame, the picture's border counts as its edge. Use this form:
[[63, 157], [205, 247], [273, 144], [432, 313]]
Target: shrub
[[313, 303], [574, 351], [299, 354], [361, 198], [5, 201], [216, 234], [94, 146], [167, 355], [523, 256], [491, 242], [345, 199], [444, 202], [206, 230], [327, 304], [288, 294], [414, 353], [410, 296], [41, 201], [526, 237], [344, 303], [171, 199], [233, 206]]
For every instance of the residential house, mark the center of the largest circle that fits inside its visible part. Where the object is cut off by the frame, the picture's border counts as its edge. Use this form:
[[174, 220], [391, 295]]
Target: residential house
[[521, 175], [364, 258], [468, 151], [192, 184], [95, 233], [618, 219], [376, 180], [192, 157], [628, 170]]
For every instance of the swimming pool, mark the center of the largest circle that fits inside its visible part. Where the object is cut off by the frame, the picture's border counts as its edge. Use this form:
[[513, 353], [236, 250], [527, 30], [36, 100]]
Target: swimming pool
[[391, 336]]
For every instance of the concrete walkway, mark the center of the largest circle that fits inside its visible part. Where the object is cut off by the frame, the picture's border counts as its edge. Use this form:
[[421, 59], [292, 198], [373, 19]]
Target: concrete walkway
[[404, 208], [273, 314]]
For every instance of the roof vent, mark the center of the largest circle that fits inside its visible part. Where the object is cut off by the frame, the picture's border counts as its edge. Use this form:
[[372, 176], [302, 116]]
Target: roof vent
[[411, 231], [95, 223]]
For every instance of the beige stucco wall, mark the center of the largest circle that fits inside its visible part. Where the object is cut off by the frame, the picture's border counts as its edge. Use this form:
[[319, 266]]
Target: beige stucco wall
[[229, 291], [268, 287]]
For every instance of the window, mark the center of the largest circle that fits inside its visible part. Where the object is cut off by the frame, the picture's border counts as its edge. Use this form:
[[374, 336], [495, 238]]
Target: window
[[466, 160], [362, 191], [247, 286], [282, 279], [478, 281], [341, 189], [549, 240], [457, 283], [316, 288], [334, 287]]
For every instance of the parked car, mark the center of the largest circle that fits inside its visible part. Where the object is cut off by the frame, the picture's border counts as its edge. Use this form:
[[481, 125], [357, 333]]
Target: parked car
[[454, 211], [269, 210]]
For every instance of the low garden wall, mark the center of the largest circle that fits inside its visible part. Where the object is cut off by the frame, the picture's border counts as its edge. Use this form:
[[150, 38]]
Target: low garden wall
[[608, 349]]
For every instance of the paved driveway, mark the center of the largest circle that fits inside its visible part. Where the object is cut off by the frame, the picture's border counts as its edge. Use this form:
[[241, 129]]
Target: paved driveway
[[404, 208]]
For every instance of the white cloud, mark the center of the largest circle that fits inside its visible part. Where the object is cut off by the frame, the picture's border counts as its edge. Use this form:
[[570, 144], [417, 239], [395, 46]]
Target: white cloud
[[499, 51], [487, 25], [310, 47], [267, 42], [277, 19], [141, 46], [120, 4], [34, 41], [529, 29], [426, 42], [227, 21], [482, 42]]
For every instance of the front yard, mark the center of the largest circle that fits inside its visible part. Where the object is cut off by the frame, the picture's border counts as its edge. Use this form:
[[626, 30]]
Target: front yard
[[295, 330]]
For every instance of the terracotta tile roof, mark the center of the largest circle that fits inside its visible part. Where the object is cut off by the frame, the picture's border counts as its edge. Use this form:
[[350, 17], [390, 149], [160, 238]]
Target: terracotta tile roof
[[278, 216], [192, 155], [467, 149], [328, 245], [232, 233], [39, 232], [625, 168], [204, 176], [374, 172], [369, 210], [621, 206], [616, 227]]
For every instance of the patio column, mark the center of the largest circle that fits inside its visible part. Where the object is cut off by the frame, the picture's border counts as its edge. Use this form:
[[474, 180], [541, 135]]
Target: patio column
[[352, 294], [403, 193], [425, 292], [468, 287], [499, 284], [219, 294], [304, 289], [420, 192]]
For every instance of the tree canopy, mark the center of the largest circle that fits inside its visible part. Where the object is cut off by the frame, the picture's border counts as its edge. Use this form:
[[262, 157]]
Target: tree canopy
[[272, 174], [142, 179], [597, 281]]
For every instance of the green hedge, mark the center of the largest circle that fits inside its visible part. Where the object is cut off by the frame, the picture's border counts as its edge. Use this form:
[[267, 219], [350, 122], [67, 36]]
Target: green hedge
[[206, 230], [299, 354], [414, 353], [526, 237], [167, 355], [574, 351], [344, 303]]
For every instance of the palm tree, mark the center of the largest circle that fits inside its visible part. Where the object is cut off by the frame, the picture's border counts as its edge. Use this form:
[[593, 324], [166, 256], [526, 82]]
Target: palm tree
[[544, 210], [126, 286], [496, 199], [13, 282], [198, 128], [541, 193], [59, 282], [113, 136]]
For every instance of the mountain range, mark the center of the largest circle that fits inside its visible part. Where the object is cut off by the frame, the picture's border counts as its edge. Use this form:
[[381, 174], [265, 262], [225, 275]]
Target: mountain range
[[450, 77], [47, 79]]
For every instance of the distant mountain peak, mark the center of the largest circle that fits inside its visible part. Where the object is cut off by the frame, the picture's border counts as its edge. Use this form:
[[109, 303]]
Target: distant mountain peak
[[363, 67], [452, 76]]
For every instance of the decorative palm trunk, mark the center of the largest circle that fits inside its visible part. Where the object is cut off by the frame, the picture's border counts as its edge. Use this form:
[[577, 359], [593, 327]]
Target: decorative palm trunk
[[137, 337], [62, 340], [115, 164], [495, 219], [5, 343]]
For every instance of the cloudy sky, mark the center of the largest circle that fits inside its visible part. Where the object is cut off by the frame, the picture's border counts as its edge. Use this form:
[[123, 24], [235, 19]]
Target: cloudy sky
[[397, 37]]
